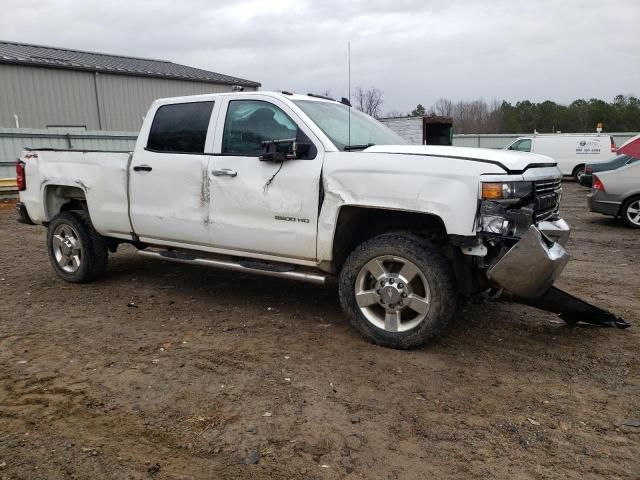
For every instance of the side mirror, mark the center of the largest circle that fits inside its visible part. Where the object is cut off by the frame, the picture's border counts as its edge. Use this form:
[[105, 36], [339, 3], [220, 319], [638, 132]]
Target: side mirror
[[281, 150]]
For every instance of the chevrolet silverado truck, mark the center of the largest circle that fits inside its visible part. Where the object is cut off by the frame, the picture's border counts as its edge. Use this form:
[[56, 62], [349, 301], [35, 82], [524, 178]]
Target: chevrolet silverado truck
[[307, 188]]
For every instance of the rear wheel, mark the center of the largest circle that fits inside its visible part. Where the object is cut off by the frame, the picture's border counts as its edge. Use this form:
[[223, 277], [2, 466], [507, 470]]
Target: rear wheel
[[77, 252], [578, 172], [396, 291], [630, 212]]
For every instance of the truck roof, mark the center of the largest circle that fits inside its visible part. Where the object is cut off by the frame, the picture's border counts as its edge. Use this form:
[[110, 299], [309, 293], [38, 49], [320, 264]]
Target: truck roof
[[213, 96]]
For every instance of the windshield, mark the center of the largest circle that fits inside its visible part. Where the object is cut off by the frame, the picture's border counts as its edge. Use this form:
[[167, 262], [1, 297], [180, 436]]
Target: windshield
[[333, 120]]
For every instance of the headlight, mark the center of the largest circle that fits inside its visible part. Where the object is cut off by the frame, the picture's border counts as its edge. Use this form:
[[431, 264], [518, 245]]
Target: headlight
[[505, 209], [496, 219], [506, 190]]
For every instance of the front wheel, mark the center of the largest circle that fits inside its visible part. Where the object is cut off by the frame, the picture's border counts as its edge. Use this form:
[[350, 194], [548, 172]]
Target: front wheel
[[397, 291], [77, 252]]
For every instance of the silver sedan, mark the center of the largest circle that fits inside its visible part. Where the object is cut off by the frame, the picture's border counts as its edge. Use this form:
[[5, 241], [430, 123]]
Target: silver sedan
[[617, 193]]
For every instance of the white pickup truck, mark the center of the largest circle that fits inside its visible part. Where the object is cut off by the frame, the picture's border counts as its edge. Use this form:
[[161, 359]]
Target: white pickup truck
[[307, 188]]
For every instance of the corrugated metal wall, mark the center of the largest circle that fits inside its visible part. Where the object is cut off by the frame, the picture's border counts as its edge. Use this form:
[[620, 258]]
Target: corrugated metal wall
[[124, 99], [410, 128], [13, 141], [44, 97]]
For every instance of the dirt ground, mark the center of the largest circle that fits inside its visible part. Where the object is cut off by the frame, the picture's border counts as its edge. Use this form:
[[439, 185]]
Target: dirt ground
[[169, 371]]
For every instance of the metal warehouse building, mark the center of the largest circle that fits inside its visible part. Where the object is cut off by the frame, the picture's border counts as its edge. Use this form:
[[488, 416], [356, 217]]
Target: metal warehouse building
[[45, 87]]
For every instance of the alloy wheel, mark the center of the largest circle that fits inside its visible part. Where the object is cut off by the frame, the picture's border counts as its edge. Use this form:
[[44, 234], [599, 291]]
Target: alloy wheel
[[67, 248], [392, 293], [633, 212]]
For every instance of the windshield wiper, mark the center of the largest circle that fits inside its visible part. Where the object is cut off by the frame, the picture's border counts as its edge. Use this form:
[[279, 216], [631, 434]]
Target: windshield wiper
[[350, 148]]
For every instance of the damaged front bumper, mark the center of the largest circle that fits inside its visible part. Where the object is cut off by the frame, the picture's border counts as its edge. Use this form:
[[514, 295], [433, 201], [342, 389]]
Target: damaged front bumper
[[531, 266], [528, 270]]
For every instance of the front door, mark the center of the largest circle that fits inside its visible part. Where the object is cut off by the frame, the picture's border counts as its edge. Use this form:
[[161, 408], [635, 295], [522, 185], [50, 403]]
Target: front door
[[261, 207], [168, 177]]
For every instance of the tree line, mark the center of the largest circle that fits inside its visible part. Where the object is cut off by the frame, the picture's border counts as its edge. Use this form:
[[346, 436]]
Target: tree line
[[622, 114]]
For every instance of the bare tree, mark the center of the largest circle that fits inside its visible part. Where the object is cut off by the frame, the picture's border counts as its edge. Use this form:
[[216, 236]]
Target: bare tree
[[495, 117], [443, 107], [368, 101], [473, 116]]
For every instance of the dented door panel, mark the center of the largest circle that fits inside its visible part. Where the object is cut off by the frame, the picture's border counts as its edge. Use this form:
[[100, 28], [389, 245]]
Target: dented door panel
[[250, 214], [171, 202], [265, 208]]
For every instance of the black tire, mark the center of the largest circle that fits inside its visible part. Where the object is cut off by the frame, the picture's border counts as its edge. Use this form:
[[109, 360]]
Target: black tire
[[437, 271], [633, 203], [93, 254], [578, 172]]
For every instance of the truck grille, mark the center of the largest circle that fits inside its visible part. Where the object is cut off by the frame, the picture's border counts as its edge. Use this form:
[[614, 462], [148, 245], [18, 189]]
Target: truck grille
[[548, 194]]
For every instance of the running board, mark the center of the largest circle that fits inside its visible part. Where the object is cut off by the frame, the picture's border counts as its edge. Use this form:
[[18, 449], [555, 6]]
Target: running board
[[244, 266], [573, 310]]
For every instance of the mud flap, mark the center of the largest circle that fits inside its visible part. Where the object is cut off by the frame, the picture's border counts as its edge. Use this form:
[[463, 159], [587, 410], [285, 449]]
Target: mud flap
[[572, 310]]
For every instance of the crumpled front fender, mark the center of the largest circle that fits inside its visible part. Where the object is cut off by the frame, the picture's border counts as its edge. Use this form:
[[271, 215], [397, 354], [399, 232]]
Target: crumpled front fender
[[531, 266]]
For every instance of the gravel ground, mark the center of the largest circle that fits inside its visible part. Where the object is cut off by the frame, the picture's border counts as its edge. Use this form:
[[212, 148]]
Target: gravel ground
[[169, 371]]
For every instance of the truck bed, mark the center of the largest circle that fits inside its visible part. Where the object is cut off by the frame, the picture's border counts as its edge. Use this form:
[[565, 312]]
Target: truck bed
[[99, 176]]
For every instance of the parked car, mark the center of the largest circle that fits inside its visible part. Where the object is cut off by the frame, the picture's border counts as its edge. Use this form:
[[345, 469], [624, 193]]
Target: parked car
[[617, 193], [631, 147], [305, 188], [572, 151], [586, 179]]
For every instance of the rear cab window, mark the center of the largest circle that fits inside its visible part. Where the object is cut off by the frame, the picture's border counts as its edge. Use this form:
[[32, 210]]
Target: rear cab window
[[180, 128]]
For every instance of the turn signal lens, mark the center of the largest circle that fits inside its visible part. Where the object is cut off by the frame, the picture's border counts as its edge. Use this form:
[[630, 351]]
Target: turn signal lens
[[597, 184], [492, 191], [508, 191]]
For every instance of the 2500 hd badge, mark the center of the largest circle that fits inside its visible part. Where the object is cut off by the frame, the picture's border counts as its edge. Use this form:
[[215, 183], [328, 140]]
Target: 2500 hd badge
[[291, 219]]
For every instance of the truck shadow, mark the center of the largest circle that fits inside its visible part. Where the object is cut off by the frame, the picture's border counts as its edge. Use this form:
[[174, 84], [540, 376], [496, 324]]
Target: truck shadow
[[210, 289]]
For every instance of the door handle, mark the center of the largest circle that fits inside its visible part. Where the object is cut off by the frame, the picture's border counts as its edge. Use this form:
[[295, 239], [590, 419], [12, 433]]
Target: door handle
[[224, 172], [142, 168]]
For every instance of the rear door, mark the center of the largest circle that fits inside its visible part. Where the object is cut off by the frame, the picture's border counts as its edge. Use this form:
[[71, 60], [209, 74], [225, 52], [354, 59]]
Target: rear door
[[169, 196], [264, 208]]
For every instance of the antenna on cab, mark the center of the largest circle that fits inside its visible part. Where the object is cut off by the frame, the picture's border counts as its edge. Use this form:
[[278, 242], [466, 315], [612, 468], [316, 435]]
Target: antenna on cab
[[349, 81]]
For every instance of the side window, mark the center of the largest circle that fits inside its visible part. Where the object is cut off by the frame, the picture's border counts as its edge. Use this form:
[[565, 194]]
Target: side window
[[522, 145], [180, 128], [250, 122]]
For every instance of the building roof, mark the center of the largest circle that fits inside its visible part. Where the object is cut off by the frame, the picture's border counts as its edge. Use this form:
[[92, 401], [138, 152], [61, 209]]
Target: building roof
[[52, 57]]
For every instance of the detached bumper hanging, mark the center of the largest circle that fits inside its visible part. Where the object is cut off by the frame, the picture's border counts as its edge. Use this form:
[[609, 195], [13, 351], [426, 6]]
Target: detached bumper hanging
[[531, 266], [527, 271], [573, 310]]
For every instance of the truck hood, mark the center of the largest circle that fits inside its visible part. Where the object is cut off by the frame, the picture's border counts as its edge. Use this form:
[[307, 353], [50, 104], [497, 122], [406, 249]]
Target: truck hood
[[510, 161]]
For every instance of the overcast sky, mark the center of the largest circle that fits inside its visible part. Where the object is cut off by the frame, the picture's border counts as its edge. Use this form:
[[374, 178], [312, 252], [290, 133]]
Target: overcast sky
[[415, 51]]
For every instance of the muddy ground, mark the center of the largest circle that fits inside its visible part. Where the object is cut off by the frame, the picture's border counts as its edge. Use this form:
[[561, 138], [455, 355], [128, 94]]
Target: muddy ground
[[171, 371]]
